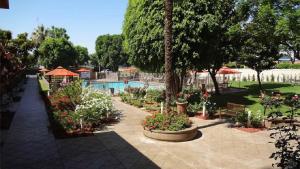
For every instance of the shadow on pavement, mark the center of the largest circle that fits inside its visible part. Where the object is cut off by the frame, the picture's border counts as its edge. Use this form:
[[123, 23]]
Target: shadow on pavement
[[103, 150]]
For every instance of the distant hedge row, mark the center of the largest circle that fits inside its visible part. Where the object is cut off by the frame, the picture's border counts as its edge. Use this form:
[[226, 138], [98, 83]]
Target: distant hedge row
[[287, 66]]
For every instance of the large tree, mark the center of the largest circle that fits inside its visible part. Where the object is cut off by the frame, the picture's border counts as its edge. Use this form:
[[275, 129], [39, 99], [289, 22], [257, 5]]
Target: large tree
[[260, 44], [82, 55], [57, 52], [110, 51], [21, 46], [288, 27], [39, 35], [168, 51], [56, 32], [200, 37]]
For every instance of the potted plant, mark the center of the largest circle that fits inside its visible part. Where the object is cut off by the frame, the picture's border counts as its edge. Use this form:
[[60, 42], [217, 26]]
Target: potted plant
[[181, 103]]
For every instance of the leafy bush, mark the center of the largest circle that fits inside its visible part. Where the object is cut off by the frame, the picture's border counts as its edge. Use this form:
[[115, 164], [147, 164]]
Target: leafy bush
[[192, 109], [287, 66], [95, 106], [234, 65], [255, 119], [154, 95], [168, 121], [137, 102], [72, 91], [242, 118], [137, 92], [192, 95], [211, 108]]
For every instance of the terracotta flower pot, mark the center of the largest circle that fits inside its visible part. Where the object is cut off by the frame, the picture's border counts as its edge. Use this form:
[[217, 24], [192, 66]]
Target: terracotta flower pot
[[181, 107]]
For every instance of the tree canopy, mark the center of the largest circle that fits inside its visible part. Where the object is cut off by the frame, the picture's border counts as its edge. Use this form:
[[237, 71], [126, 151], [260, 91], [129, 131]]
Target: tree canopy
[[110, 53], [57, 52], [260, 44], [82, 55], [200, 37]]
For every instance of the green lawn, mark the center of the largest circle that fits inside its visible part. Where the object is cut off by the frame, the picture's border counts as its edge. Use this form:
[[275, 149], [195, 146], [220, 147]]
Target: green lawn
[[250, 97], [44, 85]]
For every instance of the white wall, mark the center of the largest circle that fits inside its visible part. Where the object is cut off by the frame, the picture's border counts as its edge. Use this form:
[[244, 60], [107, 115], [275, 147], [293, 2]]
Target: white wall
[[280, 75]]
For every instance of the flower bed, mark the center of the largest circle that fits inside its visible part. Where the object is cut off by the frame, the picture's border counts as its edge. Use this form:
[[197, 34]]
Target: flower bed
[[169, 127], [74, 111]]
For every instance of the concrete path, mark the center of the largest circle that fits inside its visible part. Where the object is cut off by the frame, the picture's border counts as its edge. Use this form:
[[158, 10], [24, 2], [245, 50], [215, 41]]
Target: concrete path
[[29, 144], [217, 147]]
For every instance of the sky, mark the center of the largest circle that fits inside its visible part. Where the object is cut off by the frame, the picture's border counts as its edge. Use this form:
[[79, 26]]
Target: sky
[[84, 20]]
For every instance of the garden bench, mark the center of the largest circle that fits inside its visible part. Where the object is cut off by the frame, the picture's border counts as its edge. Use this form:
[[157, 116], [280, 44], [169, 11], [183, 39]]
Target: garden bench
[[231, 109]]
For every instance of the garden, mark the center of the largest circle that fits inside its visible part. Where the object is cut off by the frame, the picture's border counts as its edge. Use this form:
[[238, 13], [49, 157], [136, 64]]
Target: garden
[[259, 108], [77, 111]]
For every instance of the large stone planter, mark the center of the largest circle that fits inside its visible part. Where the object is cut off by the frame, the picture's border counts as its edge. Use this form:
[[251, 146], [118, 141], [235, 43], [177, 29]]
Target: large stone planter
[[174, 136], [181, 107]]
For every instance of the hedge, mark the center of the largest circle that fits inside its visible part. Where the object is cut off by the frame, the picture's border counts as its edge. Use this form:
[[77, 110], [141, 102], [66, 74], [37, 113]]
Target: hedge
[[44, 86], [287, 66]]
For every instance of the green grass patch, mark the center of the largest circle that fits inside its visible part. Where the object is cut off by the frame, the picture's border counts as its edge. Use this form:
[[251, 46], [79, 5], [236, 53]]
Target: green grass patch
[[250, 97], [44, 86]]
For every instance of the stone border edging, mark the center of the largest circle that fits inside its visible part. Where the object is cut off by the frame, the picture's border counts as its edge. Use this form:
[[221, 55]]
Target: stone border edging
[[172, 136]]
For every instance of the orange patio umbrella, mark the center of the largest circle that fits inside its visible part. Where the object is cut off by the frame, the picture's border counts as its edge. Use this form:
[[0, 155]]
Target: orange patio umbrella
[[226, 70], [129, 69], [83, 70], [60, 71]]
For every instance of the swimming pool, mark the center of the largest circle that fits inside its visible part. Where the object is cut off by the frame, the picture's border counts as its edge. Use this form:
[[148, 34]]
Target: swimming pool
[[118, 86]]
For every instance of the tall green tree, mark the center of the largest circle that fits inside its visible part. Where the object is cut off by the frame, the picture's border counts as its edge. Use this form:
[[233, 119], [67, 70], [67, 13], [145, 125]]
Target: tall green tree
[[39, 35], [288, 26], [22, 47], [260, 44], [168, 51], [57, 52], [110, 51], [82, 55], [200, 37], [56, 32]]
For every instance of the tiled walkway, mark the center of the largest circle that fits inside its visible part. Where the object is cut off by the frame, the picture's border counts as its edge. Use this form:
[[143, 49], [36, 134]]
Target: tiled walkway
[[30, 145]]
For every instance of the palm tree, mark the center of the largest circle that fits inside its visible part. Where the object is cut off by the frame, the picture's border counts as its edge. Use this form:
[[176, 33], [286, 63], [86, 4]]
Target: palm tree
[[39, 35], [168, 51]]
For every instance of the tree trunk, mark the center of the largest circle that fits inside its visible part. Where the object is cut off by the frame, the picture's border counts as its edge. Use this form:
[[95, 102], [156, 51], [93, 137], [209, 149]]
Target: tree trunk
[[259, 82], [214, 79], [175, 84], [296, 55], [168, 51], [182, 77]]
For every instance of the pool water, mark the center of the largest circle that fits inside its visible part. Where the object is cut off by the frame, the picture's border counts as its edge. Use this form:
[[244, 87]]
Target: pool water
[[118, 86]]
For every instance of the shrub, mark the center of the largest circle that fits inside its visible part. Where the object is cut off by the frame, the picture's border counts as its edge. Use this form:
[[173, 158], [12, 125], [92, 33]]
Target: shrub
[[242, 118], [192, 95], [244, 79], [194, 108], [137, 92], [168, 121], [95, 106], [72, 91], [287, 66], [272, 78], [137, 102], [154, 95], [253, 77], [255, 119], [211, 108]]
